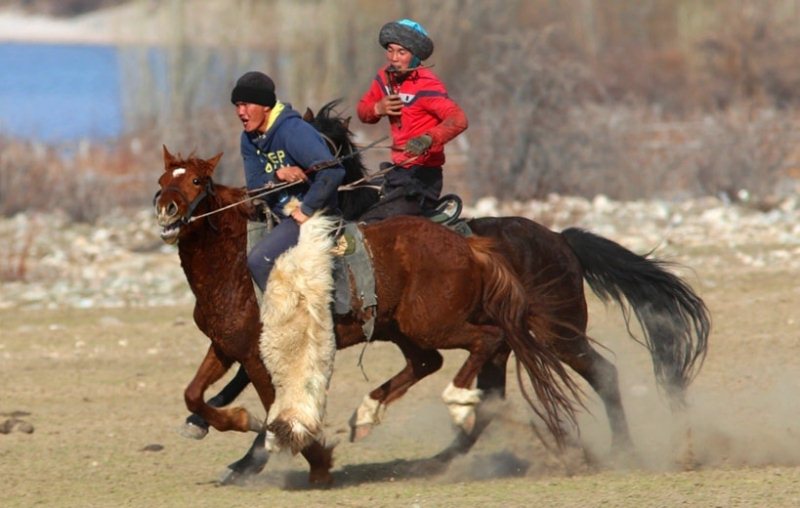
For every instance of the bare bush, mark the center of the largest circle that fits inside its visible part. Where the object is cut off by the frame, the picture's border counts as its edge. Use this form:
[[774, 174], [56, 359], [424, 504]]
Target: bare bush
[[548, 118], [632, 99], [85, 184], [744, 153], [750, 57]]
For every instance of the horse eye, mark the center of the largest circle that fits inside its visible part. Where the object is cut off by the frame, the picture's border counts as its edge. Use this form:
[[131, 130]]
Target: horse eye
[[196, 181]]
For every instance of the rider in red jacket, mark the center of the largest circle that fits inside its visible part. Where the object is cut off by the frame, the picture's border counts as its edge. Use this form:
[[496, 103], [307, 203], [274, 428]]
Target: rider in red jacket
[[422, 118]]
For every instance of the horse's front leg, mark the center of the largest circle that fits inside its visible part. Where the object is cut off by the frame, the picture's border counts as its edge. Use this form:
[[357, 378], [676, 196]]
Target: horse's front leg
[[195, 426], [213, 367], [258, 455]]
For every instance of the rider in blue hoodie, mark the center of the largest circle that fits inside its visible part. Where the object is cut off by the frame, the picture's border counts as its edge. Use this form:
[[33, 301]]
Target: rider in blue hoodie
[[277, 145]]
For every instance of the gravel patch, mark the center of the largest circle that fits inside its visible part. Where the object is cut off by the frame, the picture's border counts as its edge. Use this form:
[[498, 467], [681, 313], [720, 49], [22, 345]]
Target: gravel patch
[[48, 262]]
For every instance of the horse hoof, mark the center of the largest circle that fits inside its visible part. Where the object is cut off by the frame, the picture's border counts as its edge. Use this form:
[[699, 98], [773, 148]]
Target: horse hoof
[[322, 479], [231, 477], [468, 425], [192, 431], [359, 432], [244, 468]]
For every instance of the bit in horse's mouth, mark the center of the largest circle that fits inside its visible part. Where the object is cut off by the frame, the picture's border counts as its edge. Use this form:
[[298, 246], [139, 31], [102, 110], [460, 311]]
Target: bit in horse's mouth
[[169, 233]]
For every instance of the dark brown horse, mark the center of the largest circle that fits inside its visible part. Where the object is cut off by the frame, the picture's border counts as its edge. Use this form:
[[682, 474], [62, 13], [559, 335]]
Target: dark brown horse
[[435, 290], [553, 267]]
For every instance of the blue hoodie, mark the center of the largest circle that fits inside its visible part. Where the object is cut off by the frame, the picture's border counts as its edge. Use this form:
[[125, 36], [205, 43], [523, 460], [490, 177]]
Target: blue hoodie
[[291, 141]]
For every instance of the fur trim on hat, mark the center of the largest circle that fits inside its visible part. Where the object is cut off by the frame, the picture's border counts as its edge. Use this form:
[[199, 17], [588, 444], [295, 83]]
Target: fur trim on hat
[[419, 44]]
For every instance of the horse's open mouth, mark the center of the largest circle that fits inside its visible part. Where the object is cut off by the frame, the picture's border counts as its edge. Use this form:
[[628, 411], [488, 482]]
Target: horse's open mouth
[[169, 233]]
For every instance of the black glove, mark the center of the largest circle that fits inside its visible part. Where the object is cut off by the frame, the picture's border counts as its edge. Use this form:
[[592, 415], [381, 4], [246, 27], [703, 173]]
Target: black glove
[[419, 145]]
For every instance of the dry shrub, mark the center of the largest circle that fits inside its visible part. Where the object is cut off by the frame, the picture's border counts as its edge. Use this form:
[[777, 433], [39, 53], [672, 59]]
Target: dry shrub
[[92, 178], [548, 119], [14, 257], [751, 57], [84, 183]]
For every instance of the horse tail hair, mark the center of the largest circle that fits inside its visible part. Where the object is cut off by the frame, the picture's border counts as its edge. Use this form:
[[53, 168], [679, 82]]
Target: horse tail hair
[[674, 319], [506, 303]]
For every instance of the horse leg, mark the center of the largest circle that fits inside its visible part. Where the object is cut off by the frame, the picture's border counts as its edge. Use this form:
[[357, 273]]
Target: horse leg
[[602, 376], [257, 455], [492, 376], [487, 361], [211, 370], [320, 459], [195, 426], [419, 364]]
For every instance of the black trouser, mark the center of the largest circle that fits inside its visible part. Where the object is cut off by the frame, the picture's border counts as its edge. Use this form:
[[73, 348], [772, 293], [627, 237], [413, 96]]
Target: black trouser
[[407, 191]]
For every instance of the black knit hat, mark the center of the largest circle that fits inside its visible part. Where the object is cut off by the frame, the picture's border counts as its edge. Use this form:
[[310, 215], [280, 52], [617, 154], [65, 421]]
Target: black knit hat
[[408, 34], [254, 87]]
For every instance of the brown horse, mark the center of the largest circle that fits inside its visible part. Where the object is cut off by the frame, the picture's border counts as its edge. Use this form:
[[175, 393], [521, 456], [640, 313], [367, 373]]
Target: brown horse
[[553, 266], [435, 290]]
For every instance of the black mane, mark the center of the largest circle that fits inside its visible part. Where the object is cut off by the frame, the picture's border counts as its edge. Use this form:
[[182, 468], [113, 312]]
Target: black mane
[[352, 203]]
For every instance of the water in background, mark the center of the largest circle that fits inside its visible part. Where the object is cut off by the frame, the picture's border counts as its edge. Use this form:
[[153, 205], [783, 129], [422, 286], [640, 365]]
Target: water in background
[[59, 93]]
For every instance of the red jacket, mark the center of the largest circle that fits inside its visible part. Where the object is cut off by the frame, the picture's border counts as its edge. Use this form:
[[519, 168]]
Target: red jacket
[[427, 110]]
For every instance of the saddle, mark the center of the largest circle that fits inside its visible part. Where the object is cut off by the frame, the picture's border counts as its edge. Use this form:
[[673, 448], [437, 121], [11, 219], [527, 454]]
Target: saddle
[[354, 280]]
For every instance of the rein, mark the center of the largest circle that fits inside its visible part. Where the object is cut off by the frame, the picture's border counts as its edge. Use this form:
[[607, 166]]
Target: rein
[[356, 184], [273, 187], [269, 189], [352, 153]]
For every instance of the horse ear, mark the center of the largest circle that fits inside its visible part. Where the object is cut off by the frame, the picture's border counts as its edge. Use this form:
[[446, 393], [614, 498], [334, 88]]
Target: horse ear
[[346, 122], [308, 116], [168, 157], [213, 161]]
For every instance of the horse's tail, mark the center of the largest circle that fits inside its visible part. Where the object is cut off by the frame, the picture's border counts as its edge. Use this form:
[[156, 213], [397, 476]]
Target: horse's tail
[[674, 319], [505, 302]]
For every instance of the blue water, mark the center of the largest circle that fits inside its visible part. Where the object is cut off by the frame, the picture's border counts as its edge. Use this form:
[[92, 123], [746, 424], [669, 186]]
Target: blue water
[[57, 93]]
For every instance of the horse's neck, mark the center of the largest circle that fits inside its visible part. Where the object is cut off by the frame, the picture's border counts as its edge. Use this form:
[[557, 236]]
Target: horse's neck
[[216, 247]]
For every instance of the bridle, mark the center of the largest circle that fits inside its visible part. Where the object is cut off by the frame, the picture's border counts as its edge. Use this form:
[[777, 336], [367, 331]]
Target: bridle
[[208, 190], [275, 187]]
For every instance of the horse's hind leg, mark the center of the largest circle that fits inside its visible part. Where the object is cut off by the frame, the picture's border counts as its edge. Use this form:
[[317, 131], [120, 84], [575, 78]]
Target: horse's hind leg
[[195, 426], [419, 364], [602, 376], [468, 407], [492, 376]]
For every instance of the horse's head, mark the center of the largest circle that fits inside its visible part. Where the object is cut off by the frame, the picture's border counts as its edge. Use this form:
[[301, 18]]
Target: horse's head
[[184, 184]]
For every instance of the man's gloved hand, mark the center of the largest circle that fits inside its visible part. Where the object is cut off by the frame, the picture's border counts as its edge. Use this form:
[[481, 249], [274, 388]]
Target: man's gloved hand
[[419, 145]]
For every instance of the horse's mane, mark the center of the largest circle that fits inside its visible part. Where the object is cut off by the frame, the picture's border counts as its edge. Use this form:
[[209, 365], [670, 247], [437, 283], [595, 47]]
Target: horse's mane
[[335, 129]]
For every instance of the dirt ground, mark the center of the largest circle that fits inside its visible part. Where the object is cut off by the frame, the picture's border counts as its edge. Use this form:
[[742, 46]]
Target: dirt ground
[[102, 390]]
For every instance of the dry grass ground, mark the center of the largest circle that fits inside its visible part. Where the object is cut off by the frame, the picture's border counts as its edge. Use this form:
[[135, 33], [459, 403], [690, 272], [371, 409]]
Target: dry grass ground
[[103, 388]]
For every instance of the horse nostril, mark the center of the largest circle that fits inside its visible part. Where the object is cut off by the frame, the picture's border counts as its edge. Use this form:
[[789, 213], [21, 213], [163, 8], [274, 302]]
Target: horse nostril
[[172, 209]]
